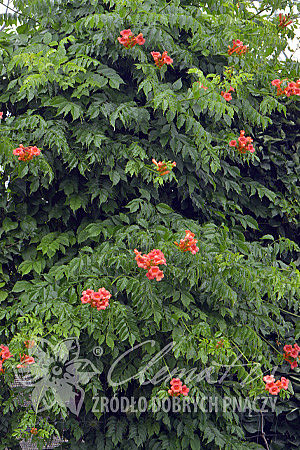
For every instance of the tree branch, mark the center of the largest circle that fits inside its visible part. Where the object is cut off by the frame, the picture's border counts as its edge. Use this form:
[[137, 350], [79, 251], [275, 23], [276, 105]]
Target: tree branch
[[7, 6], [18, 12], [262, 431]]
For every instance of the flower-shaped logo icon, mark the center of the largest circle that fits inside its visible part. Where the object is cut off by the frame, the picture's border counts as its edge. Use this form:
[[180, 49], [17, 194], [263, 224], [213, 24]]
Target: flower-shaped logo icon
[[57, 373]]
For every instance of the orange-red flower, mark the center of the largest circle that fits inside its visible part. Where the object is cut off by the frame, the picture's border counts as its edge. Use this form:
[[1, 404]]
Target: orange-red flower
[[269, 379], [160, 60], [227, 94], [150, 262], [129, 40], [161, 166], [274, 390], [177, 388], [188, 244], [244, 144], [237, 48], [274, 387], [291, 88], [291, 354], [284, 21], [4, 355], [284, 383], [25, 361], [98, 300], [26, 153]]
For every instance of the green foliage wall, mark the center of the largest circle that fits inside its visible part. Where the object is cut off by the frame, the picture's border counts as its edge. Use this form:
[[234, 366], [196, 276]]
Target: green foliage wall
[[71, 218]]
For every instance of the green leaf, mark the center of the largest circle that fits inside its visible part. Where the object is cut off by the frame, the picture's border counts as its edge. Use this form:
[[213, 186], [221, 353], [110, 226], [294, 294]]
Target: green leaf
[[9, 225], [28, 224], [92, 230], [75, 202], [115, 177], [134, 205], [3, 295], [164, 209], [195, 443], [268, 236], [37, 266], [251, 222], [25, 267], [110, 341], [21, 286], [187, 298], [177, 85], [215, 165]]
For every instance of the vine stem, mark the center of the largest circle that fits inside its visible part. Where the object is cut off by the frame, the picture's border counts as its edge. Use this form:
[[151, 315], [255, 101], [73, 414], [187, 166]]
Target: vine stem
[[262, 431], [116, 279], [134, 278], [263, 339], [130, 10], [269, 343], [164, 7], [39, 399], [185, 325], [296, 315], [167, 367], [239, 350]]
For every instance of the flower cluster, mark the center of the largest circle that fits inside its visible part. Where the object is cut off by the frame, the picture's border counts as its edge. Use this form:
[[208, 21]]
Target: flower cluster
[[129, 40], [220, 344], [188, 244], [161, 166], [99, 300], [150, 263], [25, 361], [227, 94], [177, 388], [291, 354], [292, 88], [26, 153], [274, 387], [244, 144], [4, 355], [34, 431], [160, 60], [283, 21], [237, 48]]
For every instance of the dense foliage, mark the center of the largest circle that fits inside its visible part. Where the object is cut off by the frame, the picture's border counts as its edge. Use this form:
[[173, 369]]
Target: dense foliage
[[72, 216]]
